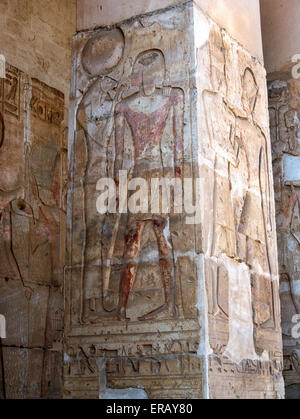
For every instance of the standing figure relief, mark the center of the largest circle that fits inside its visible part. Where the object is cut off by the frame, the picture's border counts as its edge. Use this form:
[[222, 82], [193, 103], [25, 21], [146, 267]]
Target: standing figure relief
[[146, 113], [106, 113], [241, 222], [255, 222], [95, 124]]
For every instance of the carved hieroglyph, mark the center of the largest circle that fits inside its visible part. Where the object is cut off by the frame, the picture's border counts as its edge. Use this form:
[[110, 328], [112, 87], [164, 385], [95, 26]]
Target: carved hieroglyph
[[156, 307], [285, 133], [33, 167]]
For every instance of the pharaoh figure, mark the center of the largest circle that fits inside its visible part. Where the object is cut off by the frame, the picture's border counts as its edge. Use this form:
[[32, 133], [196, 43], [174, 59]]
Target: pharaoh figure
[[222, 230], [147, 113], [224, 147], [255, 221]]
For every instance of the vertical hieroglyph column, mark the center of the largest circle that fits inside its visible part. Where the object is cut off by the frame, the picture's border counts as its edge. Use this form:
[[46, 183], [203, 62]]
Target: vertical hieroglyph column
[[179, 299], [282, 49]]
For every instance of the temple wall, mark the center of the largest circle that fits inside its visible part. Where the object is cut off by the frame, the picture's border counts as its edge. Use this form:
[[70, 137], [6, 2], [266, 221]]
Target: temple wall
[[281, 44], [35, 40], [33, 163], [160, 305]]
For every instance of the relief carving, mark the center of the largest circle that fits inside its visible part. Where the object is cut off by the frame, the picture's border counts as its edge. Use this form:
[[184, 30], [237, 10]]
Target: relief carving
[[146, 113], [295, 233], [285, 128], [10, 94], [241, 195], [133, 274], [112, 110], [134, 297], [2, 130], [285, 132], [32, 218], [95, 118]]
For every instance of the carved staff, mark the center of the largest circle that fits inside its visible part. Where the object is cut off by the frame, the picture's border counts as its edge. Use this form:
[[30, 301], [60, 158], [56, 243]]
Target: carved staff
[[107, 270], [2, 130], [107, 133]]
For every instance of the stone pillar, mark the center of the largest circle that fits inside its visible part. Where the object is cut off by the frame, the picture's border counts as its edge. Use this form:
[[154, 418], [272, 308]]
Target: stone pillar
[[281, 35], [171, 303]]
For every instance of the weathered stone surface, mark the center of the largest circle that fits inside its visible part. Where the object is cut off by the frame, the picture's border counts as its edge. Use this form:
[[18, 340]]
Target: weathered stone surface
[[250, 379], [22, 372], [36, 42], [285, 130], [106, 300], [36, 38], [241, 19], [12, 129], [33, 158], [241, 273], [25, 311], [280, 36], [150, 299], [31, 373]]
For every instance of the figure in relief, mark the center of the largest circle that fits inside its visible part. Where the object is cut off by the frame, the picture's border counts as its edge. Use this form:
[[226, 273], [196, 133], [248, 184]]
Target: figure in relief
[[95, 123], [146, 113], [221, 127], [223, 238], [11, 96], [295, 258], [257, 206], [241, 194], [223, 141]]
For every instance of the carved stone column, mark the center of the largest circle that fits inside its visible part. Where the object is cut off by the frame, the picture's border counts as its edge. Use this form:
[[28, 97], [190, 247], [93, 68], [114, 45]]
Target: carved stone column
[[281, 34], [171, 304]]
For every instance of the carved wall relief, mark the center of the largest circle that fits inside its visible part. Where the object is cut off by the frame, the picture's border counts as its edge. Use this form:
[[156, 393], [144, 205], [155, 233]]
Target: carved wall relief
[[11, 134], [10, 92], [147, 111], [241, 231], [146, 292], [132, 113], [241, 273], [32, 219], [285, 131], [146, 116]]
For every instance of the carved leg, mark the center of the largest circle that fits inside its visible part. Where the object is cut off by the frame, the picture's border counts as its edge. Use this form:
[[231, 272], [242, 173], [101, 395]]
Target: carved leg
[[166, 272], [214, 285], [132, 248], [91, 260], [127, 285]]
